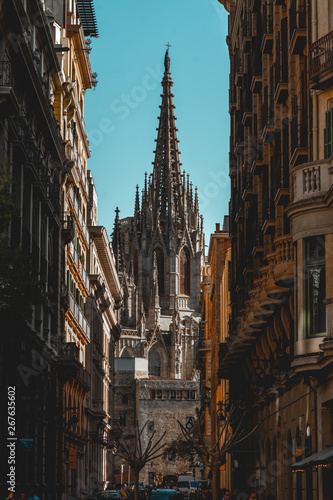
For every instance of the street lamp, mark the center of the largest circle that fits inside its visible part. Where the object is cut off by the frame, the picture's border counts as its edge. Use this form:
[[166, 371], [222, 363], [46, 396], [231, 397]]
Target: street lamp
[[73, 419]]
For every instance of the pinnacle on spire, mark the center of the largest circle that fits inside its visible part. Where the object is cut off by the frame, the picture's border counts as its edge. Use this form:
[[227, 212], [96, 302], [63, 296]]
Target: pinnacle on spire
[[167, 175], [196, 200], [137, 205], [146, 183], [117, 243]]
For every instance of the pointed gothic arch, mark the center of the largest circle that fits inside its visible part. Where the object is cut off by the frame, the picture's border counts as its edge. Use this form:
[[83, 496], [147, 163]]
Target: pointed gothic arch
[[127, 352], [160, 268], [184, 272], [154, 362]]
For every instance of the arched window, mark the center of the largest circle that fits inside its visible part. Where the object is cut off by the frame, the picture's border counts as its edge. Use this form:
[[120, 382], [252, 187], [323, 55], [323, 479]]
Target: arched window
[[184, 268], [160, 268], [126, 353], [154, 363]]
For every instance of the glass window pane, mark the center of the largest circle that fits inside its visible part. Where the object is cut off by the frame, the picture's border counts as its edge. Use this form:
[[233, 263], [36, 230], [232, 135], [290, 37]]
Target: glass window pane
[[315, 286]]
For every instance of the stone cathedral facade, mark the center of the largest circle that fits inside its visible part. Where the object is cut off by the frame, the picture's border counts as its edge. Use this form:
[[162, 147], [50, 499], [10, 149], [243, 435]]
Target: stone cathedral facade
[[159, 255]]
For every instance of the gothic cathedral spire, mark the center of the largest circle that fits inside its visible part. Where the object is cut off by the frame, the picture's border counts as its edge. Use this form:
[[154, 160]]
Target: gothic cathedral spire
[[167, 201]]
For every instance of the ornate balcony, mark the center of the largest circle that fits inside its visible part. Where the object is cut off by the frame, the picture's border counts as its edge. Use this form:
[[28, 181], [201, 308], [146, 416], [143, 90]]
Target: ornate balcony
[[321, 62], [282, 261], [311, 180]]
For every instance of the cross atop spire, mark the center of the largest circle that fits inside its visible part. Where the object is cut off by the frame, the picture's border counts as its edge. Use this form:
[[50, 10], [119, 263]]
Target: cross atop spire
[[167, 59]]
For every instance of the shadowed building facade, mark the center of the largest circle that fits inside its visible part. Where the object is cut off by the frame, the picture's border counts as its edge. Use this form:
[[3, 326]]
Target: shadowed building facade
[[159, 255], [278, 356]]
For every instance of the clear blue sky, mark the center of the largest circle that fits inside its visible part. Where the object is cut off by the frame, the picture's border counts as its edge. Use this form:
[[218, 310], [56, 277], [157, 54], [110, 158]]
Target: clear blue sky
[[121, 114]]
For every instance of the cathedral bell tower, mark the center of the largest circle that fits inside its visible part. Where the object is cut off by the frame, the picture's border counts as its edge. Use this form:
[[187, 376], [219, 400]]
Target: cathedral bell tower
[[159, 253], [160, 250], [167, 227]]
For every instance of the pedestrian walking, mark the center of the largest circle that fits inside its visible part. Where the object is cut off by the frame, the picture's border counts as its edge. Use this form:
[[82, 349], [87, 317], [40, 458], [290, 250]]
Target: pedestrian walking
[[10, 496], [226, 495]]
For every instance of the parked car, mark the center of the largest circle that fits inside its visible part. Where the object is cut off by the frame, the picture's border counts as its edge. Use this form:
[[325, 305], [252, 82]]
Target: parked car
[[164, 494], [184, 484], [110, 494]]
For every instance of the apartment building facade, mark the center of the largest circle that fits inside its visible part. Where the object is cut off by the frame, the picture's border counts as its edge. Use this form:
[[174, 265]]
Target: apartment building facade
[[60, 301], [278, 354], [215, 327]]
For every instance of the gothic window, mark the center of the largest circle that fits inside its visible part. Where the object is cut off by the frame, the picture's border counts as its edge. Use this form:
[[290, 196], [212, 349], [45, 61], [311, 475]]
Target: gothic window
[[136, 267], [160, 269], [122, 420], [125, 399], [151, 426], [184, 268], [171, 456], [126, 353], [154, 363]]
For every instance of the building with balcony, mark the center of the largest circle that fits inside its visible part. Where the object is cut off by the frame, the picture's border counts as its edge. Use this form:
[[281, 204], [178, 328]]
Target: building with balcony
[[103, 305], [215, 327], [44, 74], [73, 23], [279, 357], [159, 255], [33, 163]]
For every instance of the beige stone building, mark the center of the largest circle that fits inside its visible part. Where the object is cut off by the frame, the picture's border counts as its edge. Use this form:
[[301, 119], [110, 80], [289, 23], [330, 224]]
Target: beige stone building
[[102, 314], [215, 328]]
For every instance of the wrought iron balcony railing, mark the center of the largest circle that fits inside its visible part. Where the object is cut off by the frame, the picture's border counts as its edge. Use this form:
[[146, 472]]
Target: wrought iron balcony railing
[[321, 55], [5, 74]]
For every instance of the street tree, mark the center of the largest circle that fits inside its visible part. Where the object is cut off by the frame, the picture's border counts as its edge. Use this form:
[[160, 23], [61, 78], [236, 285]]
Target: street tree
[[193, 442], [132, 449]]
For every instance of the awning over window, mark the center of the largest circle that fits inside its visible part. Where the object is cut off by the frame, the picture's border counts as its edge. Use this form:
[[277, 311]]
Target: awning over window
[[322, 457], [88, 17]]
